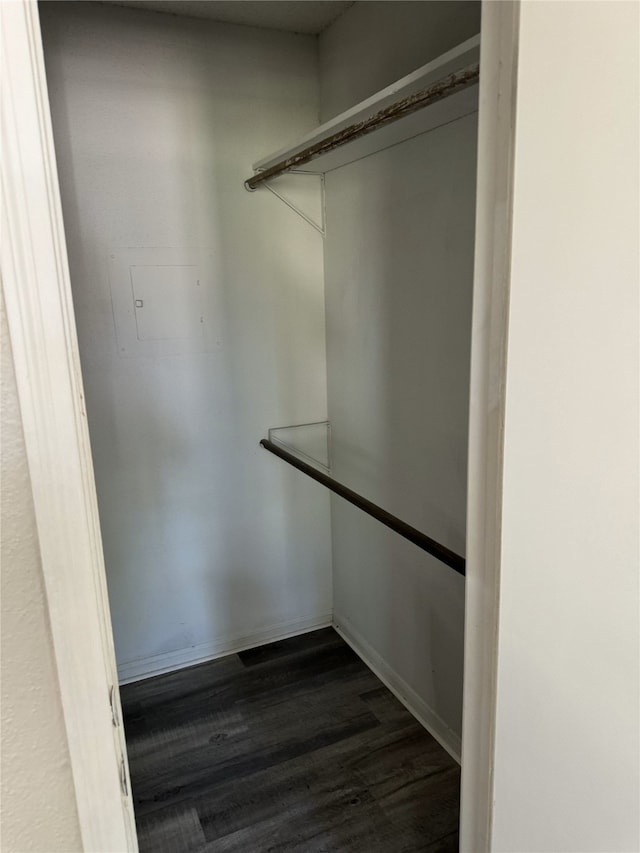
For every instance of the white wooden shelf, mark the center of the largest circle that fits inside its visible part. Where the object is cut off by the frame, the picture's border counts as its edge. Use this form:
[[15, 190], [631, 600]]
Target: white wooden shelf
[[427, 118]]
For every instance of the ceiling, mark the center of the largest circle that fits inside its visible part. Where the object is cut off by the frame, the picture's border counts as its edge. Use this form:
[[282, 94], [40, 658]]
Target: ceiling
[[296, 16]]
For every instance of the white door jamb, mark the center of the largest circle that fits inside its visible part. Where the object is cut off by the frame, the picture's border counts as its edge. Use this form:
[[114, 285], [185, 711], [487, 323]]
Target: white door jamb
[[37, 294], [492, 270]]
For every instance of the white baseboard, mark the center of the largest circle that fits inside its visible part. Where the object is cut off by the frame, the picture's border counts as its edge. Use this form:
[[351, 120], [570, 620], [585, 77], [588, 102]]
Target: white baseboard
[[407, 695], [136, 670]]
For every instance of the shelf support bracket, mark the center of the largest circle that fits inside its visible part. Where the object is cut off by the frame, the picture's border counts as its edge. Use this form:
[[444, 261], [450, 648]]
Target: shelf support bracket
[[320, 228]]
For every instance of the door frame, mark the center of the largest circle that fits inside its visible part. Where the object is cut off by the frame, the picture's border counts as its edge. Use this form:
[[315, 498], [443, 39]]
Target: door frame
[[42, 332], [43, 337], [489, 337]]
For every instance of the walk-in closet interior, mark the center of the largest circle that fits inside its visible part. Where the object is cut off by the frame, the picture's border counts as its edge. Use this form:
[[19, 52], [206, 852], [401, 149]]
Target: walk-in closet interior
[[269, 211]]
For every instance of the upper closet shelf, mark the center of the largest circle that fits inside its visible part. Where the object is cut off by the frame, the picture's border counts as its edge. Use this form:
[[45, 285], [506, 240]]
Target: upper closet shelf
[[440, 92]]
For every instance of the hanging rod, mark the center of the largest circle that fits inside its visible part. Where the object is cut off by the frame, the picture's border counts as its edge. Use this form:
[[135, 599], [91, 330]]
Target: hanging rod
[[438, 91], [440, 552]]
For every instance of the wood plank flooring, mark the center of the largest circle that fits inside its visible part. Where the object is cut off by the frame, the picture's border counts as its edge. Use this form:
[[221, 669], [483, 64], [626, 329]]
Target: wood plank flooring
[[294, 747]]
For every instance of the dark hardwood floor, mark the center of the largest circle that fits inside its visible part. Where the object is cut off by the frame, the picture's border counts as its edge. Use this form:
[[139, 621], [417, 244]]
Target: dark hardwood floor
[[295, 746]]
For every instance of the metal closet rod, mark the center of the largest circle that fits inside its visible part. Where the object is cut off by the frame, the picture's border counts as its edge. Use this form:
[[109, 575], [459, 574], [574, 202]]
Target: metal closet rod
[[438, 91], [440, 552]]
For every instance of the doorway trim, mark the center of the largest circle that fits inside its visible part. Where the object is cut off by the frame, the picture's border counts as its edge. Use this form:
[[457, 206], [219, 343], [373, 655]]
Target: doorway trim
[[37, 293], [489, 337]]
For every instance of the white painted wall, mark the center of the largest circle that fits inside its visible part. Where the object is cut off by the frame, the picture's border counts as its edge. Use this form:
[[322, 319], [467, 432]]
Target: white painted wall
[[566, 750], [399, 273], [375, 43], [37, 817], [209, 542]]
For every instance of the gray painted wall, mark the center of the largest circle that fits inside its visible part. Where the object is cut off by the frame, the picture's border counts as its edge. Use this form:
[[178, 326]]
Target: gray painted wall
[[399, 276], [375, 43], [209, 542]]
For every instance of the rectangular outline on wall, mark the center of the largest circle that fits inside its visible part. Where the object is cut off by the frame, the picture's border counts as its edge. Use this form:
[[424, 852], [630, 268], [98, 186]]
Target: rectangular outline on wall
[[126, 343], [135, 300]]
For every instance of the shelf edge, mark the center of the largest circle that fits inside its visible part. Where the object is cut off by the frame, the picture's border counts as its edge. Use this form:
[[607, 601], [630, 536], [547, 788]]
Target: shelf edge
[[465, 54]]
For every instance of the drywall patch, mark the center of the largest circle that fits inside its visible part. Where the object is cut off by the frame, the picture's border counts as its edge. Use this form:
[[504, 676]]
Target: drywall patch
[[164, 301]]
